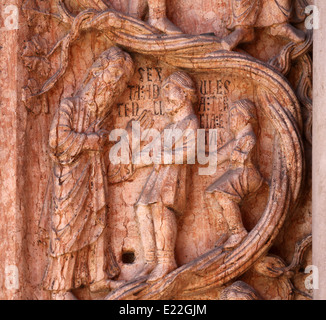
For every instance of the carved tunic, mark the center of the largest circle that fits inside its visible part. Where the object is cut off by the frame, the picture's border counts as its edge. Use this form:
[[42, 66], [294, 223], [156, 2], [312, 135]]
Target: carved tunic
[[79, 252], [167, 184], [79, 197], [244, 12], [242, 177], [259, 13]]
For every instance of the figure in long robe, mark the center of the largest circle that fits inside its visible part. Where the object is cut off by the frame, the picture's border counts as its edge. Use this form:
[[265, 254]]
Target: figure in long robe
[[77, 207], [165, 193], [242, 176]]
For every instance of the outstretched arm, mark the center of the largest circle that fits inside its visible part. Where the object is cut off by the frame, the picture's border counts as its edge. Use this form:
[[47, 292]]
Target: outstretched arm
[[244, 147], [224, 153], [65, 142]]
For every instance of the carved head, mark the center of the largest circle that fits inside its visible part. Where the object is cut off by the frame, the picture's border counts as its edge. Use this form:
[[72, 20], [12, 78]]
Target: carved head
[[178, 90], [242, 112], [107, 78]]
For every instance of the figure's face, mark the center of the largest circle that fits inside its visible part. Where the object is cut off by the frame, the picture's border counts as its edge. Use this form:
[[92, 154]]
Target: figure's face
[[110, 84], [173, 97], [237, 120]]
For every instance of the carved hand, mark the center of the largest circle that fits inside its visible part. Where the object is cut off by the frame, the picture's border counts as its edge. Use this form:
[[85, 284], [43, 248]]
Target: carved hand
[[96, 141], [145, 120], [104, 137]]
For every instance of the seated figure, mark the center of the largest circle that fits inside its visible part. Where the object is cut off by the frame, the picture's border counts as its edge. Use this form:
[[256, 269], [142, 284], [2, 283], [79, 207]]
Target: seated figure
[[242, 176], [250, 14]]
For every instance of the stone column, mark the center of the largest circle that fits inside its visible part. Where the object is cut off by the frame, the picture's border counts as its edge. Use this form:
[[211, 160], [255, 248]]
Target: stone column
[[319, 153], [11, 221]]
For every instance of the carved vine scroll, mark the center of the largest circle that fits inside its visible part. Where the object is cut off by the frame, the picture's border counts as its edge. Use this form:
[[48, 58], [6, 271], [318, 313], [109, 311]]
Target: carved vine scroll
[[272, 96], [217, 267]]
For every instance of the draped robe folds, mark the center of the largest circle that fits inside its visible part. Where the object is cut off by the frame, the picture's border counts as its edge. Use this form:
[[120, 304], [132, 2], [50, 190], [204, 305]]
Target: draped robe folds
[[259, 13], [78, 187], [242, 177], [168, 183]]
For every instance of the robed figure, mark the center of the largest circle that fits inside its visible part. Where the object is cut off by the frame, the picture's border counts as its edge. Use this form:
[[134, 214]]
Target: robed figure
[[77, 206], [250, 14]]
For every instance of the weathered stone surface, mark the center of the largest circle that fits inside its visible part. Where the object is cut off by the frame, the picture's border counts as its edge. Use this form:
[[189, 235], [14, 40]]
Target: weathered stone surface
[[318, 164], [80, 226]]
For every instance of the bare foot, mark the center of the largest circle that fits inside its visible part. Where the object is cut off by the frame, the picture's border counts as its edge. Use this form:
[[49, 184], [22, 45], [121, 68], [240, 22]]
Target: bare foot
[[239, 35], [235, 240], [146, 270], [221, 240], [164, 25], [115, 284], [289, 32], [161, 270], [63, 295], [106, 285]]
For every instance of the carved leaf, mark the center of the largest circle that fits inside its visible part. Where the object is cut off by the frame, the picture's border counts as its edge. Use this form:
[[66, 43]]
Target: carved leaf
[[33, 56]]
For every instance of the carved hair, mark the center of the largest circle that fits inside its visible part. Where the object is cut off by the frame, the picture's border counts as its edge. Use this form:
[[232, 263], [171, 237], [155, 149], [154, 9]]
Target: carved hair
[[247, 108], [185, 82], [111, 56]]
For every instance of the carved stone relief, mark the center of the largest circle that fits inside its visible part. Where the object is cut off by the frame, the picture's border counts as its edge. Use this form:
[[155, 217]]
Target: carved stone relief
[[117, 80]]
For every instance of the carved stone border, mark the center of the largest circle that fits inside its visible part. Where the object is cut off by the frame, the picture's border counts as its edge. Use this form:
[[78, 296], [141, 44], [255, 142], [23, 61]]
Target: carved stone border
[[216, 268], [198, 54]]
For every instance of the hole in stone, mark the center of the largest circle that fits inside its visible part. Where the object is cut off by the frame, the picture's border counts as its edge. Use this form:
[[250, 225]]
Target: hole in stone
[[128, 257]]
